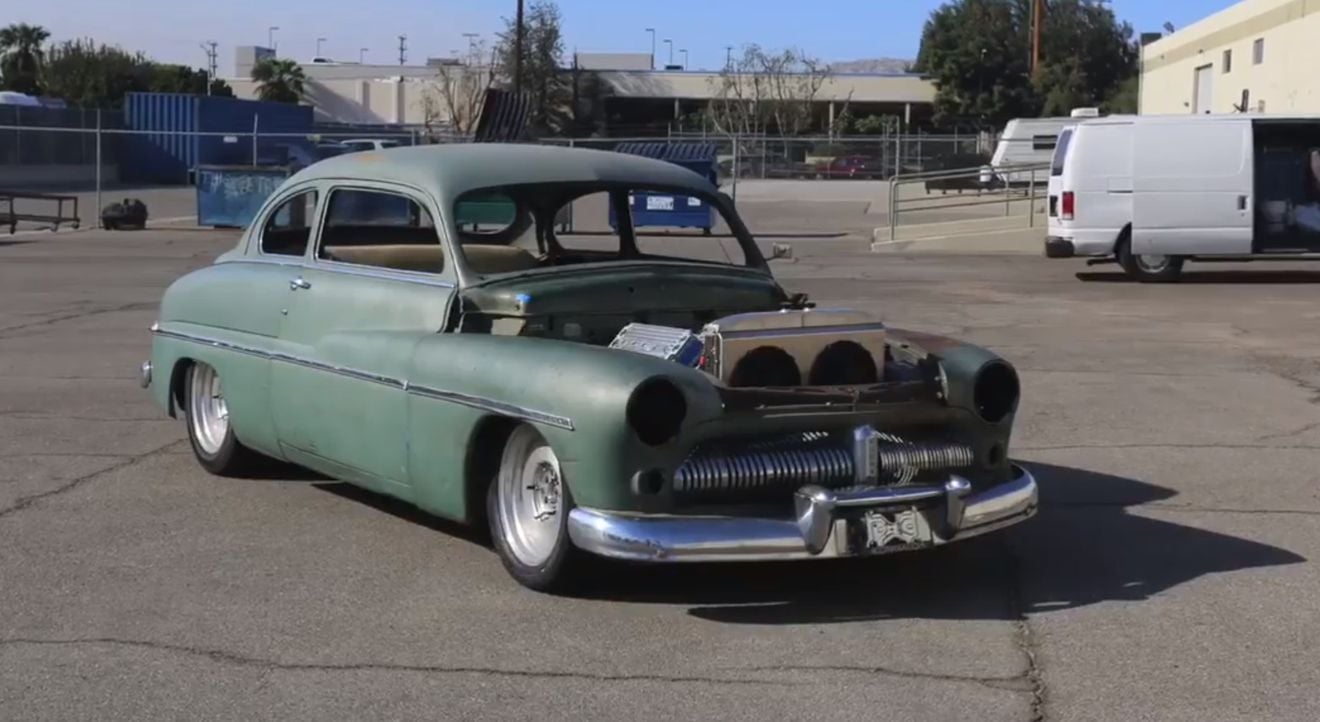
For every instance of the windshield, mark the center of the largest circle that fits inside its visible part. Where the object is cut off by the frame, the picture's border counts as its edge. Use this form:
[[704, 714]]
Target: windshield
[[522, 228], [1060, 151]]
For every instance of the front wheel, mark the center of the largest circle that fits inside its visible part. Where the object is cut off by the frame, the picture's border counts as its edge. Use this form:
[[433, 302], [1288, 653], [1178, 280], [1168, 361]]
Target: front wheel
[[209, 430], [1148, 268], [527, 507]]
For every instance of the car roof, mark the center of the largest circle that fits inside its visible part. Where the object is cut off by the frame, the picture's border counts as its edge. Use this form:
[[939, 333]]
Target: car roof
[[450, 170]]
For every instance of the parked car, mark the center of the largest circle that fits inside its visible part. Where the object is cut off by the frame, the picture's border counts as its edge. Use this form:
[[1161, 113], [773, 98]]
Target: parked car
[[655, 399], [299, 155], [360, 144], [850, 166], [1153, 192]]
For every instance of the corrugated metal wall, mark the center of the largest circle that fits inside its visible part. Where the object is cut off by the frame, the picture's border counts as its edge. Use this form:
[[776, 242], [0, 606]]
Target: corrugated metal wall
[[170, 155]]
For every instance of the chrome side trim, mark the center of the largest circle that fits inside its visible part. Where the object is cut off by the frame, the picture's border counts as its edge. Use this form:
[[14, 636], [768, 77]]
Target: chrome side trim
[[499, 407], [814, 533], [455, 397]]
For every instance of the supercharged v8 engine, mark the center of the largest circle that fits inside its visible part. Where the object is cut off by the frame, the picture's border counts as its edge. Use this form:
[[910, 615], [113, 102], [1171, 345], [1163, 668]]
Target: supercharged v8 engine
[[791, 347]]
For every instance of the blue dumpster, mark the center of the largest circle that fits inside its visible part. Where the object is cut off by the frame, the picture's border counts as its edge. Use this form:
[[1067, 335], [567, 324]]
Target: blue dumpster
[[668, 209], [229, 196]]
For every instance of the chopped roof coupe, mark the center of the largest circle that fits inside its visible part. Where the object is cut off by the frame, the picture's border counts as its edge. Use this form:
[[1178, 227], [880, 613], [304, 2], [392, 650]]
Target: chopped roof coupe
[[425, 323]]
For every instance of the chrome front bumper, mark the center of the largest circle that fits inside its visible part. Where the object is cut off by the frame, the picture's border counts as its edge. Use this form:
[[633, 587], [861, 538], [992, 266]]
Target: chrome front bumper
[[819, 531]]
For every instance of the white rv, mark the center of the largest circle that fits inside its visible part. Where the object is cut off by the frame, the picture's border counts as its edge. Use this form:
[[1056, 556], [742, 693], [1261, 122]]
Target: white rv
[[1153, 192], [1031, 141]]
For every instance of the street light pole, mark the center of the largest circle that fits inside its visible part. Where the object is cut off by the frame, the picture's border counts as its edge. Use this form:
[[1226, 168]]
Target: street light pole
[[652, 32], [270, 38], [318, 46], [362, 56], [685, 58], [670, 43], [518, 50]]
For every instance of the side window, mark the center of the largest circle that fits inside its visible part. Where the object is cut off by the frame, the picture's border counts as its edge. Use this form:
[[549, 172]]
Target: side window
[[1044, 142], [288, 230], [380, 229]]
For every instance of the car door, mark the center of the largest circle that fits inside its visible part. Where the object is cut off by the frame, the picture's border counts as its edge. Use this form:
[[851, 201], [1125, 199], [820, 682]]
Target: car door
[[377, 282], [1192, 187]]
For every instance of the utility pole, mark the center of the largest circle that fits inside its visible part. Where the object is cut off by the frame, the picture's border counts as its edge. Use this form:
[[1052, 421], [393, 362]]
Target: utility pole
[[403, 49], [1037, 21], [211, 63], [728, 56], [518, 50]]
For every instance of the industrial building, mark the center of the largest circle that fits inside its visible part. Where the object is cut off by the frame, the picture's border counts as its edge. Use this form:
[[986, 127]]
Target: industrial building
[[1257, 56], [634, 93]]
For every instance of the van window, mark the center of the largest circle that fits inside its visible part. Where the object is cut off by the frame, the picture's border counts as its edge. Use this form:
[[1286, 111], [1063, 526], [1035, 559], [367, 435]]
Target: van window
[[1060, 151]]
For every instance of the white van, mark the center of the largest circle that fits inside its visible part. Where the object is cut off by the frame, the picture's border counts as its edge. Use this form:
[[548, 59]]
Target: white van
[[1031, 141], [1090, 188], [1200, 187]]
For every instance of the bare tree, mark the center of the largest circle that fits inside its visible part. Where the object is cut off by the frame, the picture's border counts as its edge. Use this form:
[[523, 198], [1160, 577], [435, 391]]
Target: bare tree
[[761, 92], [455, 98]]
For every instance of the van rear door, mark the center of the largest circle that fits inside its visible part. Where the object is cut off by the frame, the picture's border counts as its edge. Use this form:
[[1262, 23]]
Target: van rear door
[[1191, 182]]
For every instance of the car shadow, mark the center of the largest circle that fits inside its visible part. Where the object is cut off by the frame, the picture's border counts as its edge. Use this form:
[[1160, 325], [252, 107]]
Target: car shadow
[[408, 512], [4, 243], [1083, 548], [1214, 277]]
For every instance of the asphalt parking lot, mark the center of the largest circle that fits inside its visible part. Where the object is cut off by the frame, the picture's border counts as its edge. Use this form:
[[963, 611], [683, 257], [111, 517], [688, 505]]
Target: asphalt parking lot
[[1175, 431]]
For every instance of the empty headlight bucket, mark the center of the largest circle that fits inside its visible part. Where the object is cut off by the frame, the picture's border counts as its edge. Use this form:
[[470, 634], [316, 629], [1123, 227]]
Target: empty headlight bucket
[[995, 391], [656, 410]]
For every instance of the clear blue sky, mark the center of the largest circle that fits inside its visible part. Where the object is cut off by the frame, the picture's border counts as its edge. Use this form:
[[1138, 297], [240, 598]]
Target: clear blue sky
[[171, 30]]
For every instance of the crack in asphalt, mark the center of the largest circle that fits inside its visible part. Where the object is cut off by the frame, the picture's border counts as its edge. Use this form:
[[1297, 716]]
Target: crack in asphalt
[[140, 306], [1024, 636], [24, 502], [222, 656], [1012, 684], [1296, 432], [38, 416]]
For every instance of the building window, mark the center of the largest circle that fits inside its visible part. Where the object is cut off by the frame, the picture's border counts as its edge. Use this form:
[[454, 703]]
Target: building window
[[1258, 51], [1228, 61]]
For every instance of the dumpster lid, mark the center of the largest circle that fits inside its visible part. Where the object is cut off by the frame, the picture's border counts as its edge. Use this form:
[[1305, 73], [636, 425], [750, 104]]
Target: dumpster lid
[[670, 150]]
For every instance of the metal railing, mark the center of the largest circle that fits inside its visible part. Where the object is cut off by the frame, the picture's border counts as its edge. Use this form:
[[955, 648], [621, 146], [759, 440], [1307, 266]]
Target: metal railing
[[1001, 185]]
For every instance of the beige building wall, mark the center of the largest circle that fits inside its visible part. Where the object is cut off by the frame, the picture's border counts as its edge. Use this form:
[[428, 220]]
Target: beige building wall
[[369, 94], [1283, 78]]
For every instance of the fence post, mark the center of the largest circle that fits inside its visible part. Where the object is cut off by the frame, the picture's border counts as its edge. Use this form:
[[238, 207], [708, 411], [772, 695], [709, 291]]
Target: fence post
[[572, 205], [255, 120], [893, 208], [97, 209], [735, 169], [898, 152], [1031, 201]]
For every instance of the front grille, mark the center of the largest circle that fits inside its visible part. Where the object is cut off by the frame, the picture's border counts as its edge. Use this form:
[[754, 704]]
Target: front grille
[[746, 470]]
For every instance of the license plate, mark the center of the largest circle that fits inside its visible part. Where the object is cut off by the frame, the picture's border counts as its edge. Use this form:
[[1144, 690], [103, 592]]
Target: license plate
[[885, 529]]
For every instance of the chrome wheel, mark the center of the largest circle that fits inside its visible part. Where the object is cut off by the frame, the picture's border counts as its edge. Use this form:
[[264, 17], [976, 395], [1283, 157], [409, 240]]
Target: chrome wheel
[[207, 411], [530, 498], [1152, 263]]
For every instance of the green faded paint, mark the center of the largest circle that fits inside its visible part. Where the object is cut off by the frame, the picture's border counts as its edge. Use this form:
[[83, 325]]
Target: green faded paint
[[383, 378]]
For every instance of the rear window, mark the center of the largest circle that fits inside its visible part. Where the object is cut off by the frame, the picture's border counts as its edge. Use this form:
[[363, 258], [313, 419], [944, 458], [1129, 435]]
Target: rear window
[[1060, 151]]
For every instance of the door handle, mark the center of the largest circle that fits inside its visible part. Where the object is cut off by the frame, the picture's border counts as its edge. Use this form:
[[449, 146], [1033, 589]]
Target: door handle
[[298, 283], [1242, 203]]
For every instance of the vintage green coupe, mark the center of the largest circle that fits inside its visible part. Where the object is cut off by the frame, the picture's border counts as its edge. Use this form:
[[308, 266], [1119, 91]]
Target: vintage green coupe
[[425, 323]]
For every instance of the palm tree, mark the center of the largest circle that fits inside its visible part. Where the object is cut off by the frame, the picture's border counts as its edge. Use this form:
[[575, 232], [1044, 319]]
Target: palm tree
[[21, 57], [279, 80]]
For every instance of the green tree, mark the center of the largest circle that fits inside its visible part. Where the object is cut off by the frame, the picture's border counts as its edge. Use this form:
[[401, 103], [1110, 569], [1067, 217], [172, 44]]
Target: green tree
[[95, 76], [279, 80], [978, 54], [543, 79], [21, 57]]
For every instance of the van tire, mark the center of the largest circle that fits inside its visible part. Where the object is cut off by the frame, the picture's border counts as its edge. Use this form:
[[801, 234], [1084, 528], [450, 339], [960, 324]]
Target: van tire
[[1147, 269]]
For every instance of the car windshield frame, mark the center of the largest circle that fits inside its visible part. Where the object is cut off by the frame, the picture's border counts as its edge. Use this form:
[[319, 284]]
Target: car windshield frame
[[540, 203]]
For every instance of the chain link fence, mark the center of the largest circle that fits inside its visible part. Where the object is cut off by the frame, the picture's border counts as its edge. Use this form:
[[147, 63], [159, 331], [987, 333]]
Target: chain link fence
[[90, 152]]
